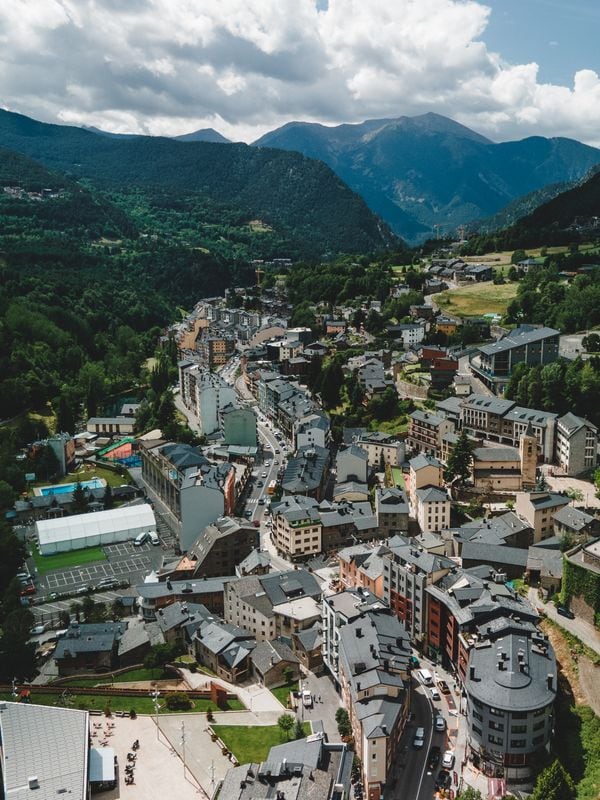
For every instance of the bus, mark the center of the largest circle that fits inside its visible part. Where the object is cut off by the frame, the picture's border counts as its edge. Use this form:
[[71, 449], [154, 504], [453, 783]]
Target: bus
[[271, 488]]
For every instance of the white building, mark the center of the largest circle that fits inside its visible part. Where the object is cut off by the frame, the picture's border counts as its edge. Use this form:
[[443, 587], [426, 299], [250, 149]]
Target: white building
[[95, 529], [433, 509]]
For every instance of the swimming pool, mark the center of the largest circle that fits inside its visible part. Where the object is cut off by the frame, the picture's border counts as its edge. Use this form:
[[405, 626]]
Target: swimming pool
[[65, 488]]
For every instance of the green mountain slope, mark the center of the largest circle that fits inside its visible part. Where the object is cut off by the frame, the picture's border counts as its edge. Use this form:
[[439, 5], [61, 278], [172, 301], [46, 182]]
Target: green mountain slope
[[428, 171], [300, 198]]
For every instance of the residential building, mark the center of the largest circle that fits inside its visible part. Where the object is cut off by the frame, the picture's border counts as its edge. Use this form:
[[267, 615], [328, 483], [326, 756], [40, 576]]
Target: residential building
[[576, 444], [374, 654], [539, 508], [409, 334], [206, 394], [391, 509], [383, 449], [575, 524], [306, 472], [508, 561], [195, 491], [307, 645], [494, 363], [297, 526], [258, 562], [153, 595], [424, 470], [425, 432], [582, 564], [277, 604], [274, 664], [352, 464], [511, 687], [239, 426], [304, 769], [223, 648], [362, 567], [433, 509], [345, 523], [63, 447], [215, 350], [339, 610], [408, 570], [221, 546], [312, 431], [88, 647]]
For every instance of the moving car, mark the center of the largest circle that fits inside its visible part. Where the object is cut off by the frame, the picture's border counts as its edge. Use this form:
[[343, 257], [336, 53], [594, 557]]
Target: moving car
[[419, 739], [448, 759], [425, 677], [435, 694]]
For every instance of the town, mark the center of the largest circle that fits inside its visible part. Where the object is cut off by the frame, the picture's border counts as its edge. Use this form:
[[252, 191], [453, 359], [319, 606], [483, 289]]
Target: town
[[358, 610]]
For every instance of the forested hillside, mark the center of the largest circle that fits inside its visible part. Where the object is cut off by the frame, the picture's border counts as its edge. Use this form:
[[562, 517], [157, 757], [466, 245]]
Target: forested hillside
[[300, 198]]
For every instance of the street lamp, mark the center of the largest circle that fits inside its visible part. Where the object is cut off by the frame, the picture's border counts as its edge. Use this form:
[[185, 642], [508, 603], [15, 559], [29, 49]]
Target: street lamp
[[183, 745], [155, 694]]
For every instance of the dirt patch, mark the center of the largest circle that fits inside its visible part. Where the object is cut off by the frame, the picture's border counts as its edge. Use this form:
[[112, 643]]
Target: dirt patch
[[568, 663], [589, 681], [169, 686]]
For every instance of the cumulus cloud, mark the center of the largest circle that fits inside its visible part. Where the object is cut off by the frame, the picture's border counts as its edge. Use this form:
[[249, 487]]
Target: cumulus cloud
[[245, 66]]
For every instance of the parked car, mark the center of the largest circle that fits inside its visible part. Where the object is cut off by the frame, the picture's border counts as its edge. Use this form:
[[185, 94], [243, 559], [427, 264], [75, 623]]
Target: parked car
[[27, 589], [419, 739], [434, 758], [37, 630], [83, 589], [565, 612], [425, 677], [256, 523], [448, 759], [154, 538], [307, 699], [439, 723], [140, 539], [435, 694], [443, 780], [443, 687], [106, 583]]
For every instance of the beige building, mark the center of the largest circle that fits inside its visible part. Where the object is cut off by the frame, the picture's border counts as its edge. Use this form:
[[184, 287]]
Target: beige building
[[424, 471], [433, 509], [426, 431], [538, 508]]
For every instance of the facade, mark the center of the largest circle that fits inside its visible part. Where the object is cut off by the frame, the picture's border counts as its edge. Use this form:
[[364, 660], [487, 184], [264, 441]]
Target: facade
[[511, 688], [88, 648], [338, 610], [362, 567], [576, 444], [221, 546], [494, 363], [297, 526], [352, 464], [154, 595], [538, 508], [423, 471], [111, 426], [194, 490], [391, 510], [433, 509], [426, 431], [408, 570], [239, 427]]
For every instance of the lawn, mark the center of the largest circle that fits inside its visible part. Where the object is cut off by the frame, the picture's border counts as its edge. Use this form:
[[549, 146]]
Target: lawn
[[478, 299], [73, 558], [88, 473], [131, 675], [252, 743], [282, 693], [398, 477], [141, 704]]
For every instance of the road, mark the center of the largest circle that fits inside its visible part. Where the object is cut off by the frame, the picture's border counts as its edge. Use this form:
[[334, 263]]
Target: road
[[578, 627]]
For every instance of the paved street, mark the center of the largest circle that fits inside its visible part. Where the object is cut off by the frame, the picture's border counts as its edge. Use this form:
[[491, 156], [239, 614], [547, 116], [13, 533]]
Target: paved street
[[327, 701], [578, 627]]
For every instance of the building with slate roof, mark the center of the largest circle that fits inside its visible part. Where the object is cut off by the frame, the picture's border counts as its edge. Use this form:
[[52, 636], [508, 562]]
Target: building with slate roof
[[89, 647], [306, 472], [426, 431], [511, 688], [257, 562], [494, 363], [391, 509], [576, 444], [575, 523], [539, 508], [352, 464], [408, 570], [305, 769], [374, 653], [361, 567], [277, 604], [154, 595], [308, 646], [433, 509], [195, 491], [510, 561], [44, 752], [274, 663], [223, 648], [221, 546]]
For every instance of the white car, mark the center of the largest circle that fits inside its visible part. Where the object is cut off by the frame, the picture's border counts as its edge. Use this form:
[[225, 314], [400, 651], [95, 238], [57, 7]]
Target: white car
[[37, 630], [448, 759], [419, 739], [307, 699], [435, 693], [440, 723]]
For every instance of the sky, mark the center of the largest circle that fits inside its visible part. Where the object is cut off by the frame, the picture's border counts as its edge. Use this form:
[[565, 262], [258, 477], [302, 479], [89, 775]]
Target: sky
[[506, 68]]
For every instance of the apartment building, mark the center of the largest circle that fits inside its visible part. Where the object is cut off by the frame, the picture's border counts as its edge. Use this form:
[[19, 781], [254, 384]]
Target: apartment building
[[426, 431], [221, 547], [338, 610], [391, 509], [538, 508], [433, 509], [576, 444], [297, 526], [494, 363], [362, 567]]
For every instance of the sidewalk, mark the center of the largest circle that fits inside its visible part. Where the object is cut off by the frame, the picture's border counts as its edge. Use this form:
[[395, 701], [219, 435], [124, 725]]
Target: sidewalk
[[258, 700]]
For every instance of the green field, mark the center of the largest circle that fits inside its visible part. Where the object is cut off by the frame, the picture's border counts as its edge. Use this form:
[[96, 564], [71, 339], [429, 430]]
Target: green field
[[131, 675], [476, 300], [282, 693], [252, 743], [73, 558], [398, 477], [112, 478], [141, 704]]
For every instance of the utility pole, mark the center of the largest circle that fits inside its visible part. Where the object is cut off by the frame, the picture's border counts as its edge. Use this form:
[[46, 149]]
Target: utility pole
[[183, 745], [212, 777], [155, 694]]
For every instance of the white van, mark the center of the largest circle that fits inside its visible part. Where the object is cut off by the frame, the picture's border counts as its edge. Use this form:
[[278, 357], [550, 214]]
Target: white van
[[154, 538], [140, 539], [425, 677]]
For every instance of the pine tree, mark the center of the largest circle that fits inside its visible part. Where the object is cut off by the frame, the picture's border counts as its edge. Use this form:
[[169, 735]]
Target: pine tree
[[80, 499], [460, 459], [554, 783], [109, 500]]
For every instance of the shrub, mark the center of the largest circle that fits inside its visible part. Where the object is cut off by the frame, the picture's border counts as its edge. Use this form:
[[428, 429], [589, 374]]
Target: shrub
[[132, 713], [178, 701]]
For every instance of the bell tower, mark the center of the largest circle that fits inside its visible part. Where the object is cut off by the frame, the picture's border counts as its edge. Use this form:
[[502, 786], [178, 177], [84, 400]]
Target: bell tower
[[528, 455]]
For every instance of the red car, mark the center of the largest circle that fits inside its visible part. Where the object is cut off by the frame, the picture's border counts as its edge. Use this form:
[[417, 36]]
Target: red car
[[27, 589], [256, 523]]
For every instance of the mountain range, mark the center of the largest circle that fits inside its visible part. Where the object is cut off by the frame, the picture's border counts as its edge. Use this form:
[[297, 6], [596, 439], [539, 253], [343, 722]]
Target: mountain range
[[301, 199], [428, 175]]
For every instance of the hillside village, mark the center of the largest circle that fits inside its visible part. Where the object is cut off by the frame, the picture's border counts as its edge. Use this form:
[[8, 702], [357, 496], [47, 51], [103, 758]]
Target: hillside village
[[398, 572]]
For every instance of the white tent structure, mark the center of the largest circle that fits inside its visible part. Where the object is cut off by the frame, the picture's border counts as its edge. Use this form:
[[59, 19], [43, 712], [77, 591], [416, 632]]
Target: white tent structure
[[95, 529]]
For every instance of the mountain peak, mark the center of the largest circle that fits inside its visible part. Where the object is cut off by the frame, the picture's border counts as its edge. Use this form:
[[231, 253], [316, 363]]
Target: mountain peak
[[203, 135]]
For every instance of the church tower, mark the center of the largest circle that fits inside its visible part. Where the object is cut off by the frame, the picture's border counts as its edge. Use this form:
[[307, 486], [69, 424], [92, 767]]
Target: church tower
[[528, 456]]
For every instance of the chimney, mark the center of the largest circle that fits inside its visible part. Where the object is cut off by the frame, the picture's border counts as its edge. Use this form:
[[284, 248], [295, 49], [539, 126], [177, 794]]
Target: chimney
[[33, 782], [472, 673], [501, 665], [550, 680]]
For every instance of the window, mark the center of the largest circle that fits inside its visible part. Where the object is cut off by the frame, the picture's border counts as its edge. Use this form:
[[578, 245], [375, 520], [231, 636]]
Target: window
[[477, 715], [496, 740], [496, 712], [518, 729], [476, 729], [539, 725], [519, 715], [496, 726], [518, 743], [538, 739], [374, 756]]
